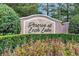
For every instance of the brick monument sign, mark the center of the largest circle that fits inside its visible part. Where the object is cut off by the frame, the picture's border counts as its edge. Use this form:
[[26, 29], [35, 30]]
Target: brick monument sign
[[38, 24]]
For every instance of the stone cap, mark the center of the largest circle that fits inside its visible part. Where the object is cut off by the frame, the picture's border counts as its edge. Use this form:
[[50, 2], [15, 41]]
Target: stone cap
[[41, 15]]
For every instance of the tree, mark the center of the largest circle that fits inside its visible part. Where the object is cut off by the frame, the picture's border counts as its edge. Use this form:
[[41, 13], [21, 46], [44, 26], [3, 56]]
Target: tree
[[46, 8], [66, 11], [24, 9], [60, 11], [76, 8]]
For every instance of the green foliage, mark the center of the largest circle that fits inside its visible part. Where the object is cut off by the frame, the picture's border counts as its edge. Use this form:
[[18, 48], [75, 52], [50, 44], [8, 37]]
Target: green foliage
[[74, 24], [49, 47], [76, 8], [25, 9], [9, 20], [12, 41]]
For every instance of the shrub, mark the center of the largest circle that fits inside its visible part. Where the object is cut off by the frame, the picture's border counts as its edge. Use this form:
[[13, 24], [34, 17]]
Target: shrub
[[50, 47], [9, 20], [12, 41], [74, 24]]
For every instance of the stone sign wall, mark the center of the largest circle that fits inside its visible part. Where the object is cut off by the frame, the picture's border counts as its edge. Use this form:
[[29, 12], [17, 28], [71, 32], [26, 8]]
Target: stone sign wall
[[38, 24]]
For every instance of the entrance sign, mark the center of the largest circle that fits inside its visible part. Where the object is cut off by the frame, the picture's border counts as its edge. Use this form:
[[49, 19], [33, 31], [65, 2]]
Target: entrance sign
[[38, 24]]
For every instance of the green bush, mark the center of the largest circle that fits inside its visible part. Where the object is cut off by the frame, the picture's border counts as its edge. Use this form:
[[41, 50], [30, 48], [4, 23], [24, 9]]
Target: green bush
[[9, 20], [74, 24], [12, 41]]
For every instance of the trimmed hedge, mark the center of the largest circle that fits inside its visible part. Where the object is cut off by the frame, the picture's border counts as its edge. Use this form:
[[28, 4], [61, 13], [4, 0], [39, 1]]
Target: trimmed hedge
[[12, 41]]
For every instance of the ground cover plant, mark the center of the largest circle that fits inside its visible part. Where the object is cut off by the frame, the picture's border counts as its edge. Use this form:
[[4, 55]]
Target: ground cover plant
[[50, 47], [11, 43]]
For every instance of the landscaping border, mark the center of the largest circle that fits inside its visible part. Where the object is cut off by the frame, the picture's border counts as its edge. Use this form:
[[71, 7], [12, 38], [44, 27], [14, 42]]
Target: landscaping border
[[12, 41]]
